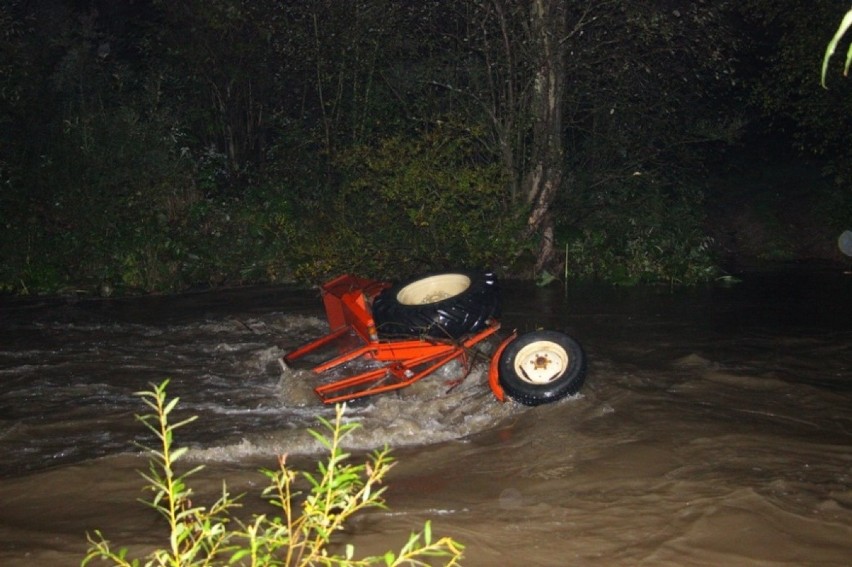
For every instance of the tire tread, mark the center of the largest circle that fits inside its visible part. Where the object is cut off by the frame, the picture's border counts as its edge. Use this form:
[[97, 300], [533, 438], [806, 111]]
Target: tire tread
[[453, 317]]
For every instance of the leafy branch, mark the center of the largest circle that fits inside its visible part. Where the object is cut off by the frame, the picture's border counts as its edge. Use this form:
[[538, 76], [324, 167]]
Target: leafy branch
[[299, 535], [845, 24]]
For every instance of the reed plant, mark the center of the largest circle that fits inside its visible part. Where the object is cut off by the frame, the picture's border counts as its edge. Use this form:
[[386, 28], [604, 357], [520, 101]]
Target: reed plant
[[301, 532]]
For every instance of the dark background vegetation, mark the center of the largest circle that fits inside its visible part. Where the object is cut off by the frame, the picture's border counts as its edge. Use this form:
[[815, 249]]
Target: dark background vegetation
[[157, 145]]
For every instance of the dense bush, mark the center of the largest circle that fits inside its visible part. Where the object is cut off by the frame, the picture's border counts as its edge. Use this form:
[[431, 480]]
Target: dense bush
[[637, 231], [293, 141], [413, 204], [116, 223]]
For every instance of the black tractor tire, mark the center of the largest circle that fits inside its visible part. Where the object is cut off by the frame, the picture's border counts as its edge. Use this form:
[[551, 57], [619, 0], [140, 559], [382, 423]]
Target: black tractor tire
[[444, 305], [542, 367]]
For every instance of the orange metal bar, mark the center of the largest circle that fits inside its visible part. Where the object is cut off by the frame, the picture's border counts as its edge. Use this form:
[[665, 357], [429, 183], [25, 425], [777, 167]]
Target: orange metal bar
[[494, 368], [377, 351], [315, 344], [426, 348], [346, 300], [411, 351], [393, 376], [404, 357]]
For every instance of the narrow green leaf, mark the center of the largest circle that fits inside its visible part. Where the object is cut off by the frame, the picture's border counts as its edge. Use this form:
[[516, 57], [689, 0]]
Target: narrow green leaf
[[170, 406], [845, 24], [178, 453], [184, 422], [321, 438]]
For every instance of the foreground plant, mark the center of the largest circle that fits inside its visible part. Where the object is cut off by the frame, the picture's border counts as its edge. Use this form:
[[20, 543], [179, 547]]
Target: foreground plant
[[299, 535], [844, 26]]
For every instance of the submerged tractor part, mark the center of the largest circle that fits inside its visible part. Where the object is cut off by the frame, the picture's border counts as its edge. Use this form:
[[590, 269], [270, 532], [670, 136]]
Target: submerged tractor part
[[446, 305], [435, 319], [541, 367]]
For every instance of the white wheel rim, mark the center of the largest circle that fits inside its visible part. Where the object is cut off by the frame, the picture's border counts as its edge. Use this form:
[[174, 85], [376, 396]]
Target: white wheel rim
[[541, 362], [433, 289]]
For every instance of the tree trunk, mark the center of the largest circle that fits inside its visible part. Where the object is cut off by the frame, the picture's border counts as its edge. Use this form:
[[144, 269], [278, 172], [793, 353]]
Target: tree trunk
[[546, 167]]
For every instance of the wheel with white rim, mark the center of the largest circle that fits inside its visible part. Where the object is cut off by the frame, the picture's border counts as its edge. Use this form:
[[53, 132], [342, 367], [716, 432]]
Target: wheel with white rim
[[541, 367], [433, 289], [445, 305]]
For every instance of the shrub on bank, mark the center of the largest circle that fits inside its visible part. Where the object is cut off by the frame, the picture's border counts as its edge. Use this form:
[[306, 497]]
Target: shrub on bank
[[299, 535]]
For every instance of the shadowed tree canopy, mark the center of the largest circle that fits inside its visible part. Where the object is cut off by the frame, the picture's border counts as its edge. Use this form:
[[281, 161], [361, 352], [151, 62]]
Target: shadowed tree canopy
[[164, 144]]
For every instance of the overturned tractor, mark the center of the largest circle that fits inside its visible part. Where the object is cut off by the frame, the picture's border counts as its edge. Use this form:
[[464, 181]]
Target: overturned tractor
[[405, 332]]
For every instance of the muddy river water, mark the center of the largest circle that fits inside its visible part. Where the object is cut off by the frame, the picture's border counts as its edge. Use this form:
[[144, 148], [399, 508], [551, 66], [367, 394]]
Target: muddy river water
[[715, 427]]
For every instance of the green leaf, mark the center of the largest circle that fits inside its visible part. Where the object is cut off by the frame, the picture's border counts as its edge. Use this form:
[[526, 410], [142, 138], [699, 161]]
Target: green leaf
[[321, 438], [845, 24], [170, 406], [178, 453], [199, 535]]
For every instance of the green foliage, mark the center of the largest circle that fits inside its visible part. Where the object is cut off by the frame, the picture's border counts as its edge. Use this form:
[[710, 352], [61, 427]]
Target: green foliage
[[662, 240], [844, 26], [410, 204], [300, 139], [789, 41], [161, 236], [300, 536], [647, 89]]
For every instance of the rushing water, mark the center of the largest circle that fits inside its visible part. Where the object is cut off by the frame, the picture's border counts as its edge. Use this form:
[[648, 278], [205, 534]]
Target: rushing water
[[715, 427]]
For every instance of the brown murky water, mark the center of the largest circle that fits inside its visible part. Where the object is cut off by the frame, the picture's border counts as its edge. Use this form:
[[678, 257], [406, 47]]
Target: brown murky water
[[715, 427]]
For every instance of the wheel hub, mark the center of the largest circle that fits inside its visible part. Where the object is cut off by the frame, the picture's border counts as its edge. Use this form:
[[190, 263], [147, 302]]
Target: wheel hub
[[433, 289], [541, 362]]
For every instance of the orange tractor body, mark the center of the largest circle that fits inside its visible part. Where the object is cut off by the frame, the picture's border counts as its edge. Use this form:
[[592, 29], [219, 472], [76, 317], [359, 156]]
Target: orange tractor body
[[393, 363]]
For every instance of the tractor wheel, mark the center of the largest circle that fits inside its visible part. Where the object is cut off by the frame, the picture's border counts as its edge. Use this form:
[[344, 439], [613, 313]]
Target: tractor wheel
[[541, 367], [446, 305]]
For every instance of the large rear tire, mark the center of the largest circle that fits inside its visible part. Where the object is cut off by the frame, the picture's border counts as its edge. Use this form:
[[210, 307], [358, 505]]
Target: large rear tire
[[446, 305], [542, 367]]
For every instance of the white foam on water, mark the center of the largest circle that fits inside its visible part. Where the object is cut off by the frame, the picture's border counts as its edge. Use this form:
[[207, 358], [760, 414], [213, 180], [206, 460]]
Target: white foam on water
[[433, 410]]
